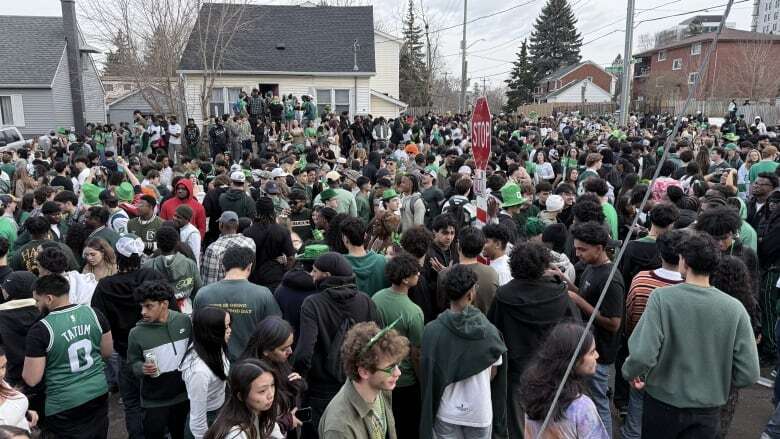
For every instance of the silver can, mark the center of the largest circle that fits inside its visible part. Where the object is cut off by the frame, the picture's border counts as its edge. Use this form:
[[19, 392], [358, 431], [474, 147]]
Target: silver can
[[151, 358]]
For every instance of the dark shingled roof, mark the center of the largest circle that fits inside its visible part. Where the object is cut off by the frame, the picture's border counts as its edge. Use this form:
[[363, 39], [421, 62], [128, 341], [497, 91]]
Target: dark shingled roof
[[315, 39], [30, 50]]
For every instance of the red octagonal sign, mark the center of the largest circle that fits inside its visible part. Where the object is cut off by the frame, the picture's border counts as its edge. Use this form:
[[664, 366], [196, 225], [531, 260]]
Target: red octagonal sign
[[481, 132]]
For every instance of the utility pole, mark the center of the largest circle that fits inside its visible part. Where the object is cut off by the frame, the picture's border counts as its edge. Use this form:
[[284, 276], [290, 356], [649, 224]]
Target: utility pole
[[445, 95], [355, 47], [625, 94], [483, 86], [429, 78], [463, 78]]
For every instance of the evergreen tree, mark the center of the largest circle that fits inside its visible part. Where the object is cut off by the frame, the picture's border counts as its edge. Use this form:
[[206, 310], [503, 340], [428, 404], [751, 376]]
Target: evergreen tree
[[555, 41], [412, 67], [521, 82], [118, 60]]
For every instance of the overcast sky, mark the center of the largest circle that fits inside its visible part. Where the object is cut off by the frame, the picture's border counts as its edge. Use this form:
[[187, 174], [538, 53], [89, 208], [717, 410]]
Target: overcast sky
[[498, 37]]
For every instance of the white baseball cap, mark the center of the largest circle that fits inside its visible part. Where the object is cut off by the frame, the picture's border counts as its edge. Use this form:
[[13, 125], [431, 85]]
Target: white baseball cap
[[554, 203], [129, 244], [238, 176], [278, 172]]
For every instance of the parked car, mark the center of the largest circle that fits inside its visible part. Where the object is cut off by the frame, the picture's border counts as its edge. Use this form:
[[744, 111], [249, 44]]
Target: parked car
[[12, 139]]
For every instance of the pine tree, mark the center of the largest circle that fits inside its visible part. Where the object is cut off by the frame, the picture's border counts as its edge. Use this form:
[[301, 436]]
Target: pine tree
[[118, 60], [412, 67], [521, 82], [555, 42]]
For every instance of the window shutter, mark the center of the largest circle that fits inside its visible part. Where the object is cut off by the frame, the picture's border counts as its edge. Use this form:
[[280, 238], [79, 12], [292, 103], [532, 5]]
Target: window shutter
[[17, 108]]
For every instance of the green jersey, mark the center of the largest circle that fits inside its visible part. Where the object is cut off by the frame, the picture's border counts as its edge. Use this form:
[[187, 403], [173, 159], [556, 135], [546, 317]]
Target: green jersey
[[74, 367]]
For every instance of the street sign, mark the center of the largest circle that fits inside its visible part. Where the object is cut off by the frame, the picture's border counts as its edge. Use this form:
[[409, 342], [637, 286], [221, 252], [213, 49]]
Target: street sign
[[481, 132]]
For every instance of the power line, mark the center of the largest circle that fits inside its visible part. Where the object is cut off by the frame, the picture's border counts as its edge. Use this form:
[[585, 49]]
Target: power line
[[481, 17]]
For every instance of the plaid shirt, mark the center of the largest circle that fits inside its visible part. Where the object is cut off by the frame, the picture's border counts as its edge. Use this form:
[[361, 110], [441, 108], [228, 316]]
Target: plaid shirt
[[211, 269]]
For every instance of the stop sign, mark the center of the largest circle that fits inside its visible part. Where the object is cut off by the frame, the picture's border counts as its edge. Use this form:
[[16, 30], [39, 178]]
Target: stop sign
[[481, 132]]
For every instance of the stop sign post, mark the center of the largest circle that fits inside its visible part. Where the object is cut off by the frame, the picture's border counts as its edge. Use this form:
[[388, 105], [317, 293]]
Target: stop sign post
[[481, 132]]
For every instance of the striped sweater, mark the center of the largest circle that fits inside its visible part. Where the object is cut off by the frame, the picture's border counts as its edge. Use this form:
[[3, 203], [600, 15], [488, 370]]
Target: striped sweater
[[643, 284]]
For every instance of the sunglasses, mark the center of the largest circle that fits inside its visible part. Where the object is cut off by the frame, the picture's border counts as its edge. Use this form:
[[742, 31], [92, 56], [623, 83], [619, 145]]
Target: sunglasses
[[389, 369]]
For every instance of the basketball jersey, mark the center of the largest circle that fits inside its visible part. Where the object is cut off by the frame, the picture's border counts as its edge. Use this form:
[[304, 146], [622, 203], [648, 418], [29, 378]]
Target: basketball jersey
[[74, 366]]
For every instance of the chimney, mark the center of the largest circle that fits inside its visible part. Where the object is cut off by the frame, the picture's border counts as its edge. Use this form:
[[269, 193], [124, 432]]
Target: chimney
[[72, 41]]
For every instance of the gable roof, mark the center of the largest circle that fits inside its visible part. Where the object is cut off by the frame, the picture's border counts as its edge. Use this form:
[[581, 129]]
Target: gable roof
[[563, 71], [31, 50], [570, 85], [315, 39], [728, 34]]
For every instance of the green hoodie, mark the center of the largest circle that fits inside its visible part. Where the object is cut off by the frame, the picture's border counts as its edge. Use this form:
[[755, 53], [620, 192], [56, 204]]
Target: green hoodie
[[457, 346], [369, 272], [168, 342], [182, 275]]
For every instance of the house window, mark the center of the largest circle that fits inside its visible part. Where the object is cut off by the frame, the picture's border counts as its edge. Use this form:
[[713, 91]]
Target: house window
[[662, 55], [222, 100], [337, 99], [696, 49], [677, 64], [693, 78], [109, 87], [6, 111]]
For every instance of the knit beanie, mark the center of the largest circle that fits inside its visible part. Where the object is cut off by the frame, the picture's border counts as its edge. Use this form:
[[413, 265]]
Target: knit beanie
[[334, 263]]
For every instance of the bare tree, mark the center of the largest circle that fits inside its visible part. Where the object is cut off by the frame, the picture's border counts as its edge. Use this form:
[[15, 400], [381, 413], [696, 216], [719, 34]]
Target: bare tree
[[154, 34], [751, 73], [645, 42]]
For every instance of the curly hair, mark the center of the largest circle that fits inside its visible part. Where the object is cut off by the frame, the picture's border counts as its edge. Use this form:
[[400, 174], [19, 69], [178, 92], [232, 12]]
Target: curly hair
[[416, 240], [383, 226], [733, 278], [459, 280], [392, 345], [155, 291], [53, 260], [529, 260], [400, 267], [585, 210], [719, 221], [545, 372]]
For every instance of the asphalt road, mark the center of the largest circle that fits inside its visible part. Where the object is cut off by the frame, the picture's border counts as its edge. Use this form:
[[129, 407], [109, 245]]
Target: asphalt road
[[753, 411]]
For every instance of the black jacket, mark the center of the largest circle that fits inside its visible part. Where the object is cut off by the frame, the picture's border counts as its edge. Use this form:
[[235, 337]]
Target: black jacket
[[296, 286], [213, 211], [321, 318], [525, 311], [641, 254], [114, 298], [16, 318]]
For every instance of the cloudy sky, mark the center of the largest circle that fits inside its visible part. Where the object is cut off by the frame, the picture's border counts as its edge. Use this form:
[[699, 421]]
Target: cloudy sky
[[499, 26]]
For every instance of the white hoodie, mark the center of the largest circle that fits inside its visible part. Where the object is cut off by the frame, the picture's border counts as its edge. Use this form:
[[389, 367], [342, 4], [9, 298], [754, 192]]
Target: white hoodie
[[82, 286]]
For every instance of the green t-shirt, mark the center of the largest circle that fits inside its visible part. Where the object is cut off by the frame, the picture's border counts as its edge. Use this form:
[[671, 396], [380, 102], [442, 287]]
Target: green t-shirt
[[612, 219], [391, 306], [74, 367], [247, 303], [8, 230], [761, 167]]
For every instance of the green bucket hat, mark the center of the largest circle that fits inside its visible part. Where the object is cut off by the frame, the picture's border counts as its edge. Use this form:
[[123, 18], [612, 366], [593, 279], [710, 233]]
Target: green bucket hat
[[327, 194], [125, 192], [312, 252], [731, 137], [512, 195], [389, 194], [91, 194], [731, 146]]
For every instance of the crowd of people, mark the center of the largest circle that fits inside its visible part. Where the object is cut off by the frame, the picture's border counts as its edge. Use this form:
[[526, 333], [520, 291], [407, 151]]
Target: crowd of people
[[316, 276]]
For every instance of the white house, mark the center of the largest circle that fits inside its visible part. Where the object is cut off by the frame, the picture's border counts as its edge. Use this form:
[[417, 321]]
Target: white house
[[300, 50], [583, 90]]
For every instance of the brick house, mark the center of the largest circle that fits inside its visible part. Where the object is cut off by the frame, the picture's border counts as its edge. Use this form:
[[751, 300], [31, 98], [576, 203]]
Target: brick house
[[742, 62], [582, 82]]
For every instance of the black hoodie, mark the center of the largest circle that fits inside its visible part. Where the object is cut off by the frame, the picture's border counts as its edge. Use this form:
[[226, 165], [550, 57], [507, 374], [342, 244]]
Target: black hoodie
[[525, 311], [114, 298], [640, 255], [295, 287], [321, 318]]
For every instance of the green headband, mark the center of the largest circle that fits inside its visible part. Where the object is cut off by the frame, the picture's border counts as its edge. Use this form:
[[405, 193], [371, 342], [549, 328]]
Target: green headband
[[379, 336]]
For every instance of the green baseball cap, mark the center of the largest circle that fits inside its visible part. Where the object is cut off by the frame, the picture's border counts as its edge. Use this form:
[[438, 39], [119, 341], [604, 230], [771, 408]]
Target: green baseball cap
[[327, 194], [512, 195], [312, 252], [389, 194]]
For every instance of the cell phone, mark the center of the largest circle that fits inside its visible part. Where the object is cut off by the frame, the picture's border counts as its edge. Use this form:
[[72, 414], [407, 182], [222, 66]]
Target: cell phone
[[304, 414]]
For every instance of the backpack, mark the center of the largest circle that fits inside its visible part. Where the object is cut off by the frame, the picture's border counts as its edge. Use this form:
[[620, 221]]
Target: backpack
[[333, 363], [457, 210]]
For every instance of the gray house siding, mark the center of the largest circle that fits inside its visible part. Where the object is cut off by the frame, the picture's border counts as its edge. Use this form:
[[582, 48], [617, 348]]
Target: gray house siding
[[94, 95], [63, 106], [122, 109], [38, 113]]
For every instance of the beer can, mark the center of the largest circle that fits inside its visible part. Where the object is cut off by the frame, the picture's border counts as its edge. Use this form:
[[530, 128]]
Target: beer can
[[150, 357]]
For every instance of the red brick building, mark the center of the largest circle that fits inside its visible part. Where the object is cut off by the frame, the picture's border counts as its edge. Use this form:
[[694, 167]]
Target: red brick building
[[743, 65], [583, 82]]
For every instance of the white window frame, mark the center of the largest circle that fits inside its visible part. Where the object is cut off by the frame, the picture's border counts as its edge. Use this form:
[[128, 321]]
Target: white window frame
[[692, 77], [696, 49], [678, 63], [332, 101], [662, 55], [17, 111]]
